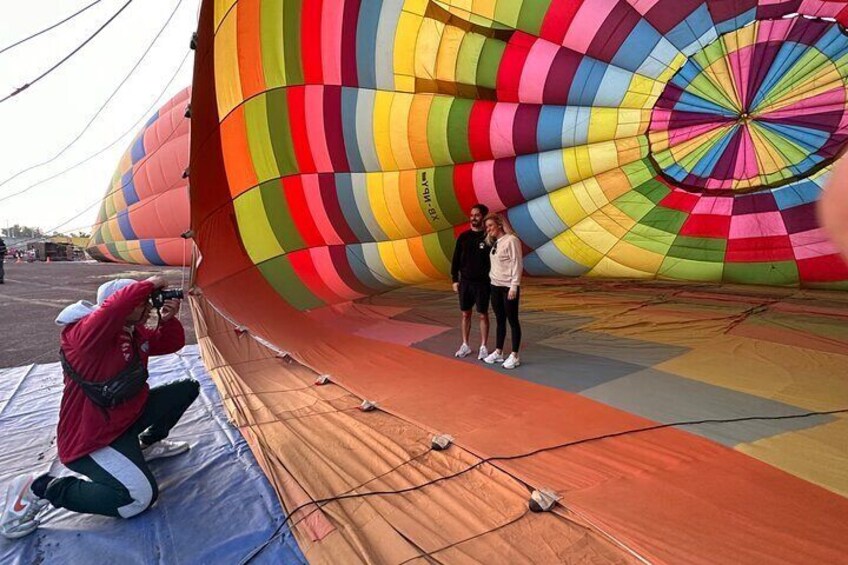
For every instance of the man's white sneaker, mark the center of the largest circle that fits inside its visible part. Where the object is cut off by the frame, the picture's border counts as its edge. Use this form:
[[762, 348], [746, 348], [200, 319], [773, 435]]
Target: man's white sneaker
[[494, 357], [21, 508], [483, 353], [463, 351], [512, 361], [164, 448]]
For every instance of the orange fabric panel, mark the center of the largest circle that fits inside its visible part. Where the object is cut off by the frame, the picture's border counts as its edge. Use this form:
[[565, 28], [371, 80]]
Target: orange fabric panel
[[249, 48], [313, 443], [239, 165], [422, 261], [614, 482]]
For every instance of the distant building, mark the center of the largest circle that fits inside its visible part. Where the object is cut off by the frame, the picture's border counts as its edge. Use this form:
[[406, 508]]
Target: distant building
[[50, 250], [57, 247]]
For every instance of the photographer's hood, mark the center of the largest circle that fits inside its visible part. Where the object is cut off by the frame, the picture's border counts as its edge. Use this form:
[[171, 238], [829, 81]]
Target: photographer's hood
[[75, 312], [79, 310]]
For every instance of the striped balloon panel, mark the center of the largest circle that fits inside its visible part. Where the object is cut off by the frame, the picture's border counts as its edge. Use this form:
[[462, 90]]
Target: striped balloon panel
[[614, 135], [146, 205], [161, 251]]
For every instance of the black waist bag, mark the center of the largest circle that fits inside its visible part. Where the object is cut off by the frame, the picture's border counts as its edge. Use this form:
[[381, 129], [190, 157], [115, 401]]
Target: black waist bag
[[118, 389]]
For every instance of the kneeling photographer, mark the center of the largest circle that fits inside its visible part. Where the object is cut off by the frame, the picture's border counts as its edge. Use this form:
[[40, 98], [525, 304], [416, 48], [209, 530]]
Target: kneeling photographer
[[111, 424]]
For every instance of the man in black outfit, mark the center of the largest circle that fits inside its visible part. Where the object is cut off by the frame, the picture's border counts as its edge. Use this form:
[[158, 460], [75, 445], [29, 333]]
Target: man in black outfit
[[470, 274]]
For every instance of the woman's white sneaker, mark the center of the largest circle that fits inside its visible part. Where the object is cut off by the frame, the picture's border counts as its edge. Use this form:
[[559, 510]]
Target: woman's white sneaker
[[512, 361], [463, 351], [494, 357], [483, 353]]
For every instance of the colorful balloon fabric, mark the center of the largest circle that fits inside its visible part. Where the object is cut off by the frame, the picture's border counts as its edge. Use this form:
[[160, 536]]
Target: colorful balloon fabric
[[146, 210], [749, 113], [681, 140], [337, 148]]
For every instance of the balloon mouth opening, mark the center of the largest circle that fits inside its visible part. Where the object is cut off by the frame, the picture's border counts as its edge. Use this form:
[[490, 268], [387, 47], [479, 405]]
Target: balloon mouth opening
[[744, 120]]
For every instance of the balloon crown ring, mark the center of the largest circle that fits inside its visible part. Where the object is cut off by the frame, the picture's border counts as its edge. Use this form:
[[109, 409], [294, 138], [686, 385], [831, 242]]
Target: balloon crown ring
[[737, 118]]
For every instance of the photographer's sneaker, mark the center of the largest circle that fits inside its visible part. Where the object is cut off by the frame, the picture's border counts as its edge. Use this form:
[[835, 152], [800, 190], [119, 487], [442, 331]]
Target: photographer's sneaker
[[463, 351], [163, 448], [21, 508], [494, 357], [483, 353], [512, 361]]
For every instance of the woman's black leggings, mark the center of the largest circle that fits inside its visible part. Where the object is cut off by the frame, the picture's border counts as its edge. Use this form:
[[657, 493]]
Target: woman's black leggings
[[506, 311]]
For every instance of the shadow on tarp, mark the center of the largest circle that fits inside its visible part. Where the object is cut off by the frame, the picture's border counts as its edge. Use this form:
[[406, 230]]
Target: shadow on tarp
[[215, 506]]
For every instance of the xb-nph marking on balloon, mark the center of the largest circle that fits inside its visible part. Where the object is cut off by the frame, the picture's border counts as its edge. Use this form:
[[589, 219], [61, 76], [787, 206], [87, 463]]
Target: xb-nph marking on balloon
[[427, 196]]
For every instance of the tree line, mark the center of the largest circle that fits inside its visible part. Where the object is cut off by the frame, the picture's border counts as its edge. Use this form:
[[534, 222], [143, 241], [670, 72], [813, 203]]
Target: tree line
[[18, 231]]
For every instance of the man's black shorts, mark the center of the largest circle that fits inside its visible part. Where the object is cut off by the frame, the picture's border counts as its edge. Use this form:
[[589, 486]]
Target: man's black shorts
[[473, 294]]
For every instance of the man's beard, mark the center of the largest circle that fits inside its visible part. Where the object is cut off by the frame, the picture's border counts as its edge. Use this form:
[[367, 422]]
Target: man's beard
[[475, 224]]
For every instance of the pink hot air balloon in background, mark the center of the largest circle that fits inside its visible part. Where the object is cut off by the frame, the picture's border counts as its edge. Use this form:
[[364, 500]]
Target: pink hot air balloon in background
[[146, 209]]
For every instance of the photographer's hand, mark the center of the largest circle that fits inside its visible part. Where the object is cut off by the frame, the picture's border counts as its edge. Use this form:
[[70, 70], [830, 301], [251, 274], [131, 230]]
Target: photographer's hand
[[158, 281], [170, 309]]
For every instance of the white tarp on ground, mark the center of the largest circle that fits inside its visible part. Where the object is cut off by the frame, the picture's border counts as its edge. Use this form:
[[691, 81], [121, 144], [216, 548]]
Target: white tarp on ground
[[215, 505]]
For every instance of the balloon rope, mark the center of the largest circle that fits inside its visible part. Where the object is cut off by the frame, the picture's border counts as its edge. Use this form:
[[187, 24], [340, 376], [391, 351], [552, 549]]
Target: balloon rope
[[183, 274]]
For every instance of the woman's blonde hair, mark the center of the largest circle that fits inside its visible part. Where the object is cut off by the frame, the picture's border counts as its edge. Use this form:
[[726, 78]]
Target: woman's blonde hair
[[502, 223]]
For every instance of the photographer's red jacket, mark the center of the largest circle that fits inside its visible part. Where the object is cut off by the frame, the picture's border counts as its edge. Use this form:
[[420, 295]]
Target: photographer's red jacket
[[98, 347]]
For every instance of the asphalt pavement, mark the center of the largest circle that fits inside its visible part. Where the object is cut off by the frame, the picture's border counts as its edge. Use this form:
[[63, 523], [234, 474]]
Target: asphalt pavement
[[34, 293]]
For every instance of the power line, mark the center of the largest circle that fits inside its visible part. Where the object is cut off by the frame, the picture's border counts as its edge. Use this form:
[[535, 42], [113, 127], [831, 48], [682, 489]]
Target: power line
[[103, 106], [135, 172], [66, 57], [45, 30], [119, 188], [131, 129]]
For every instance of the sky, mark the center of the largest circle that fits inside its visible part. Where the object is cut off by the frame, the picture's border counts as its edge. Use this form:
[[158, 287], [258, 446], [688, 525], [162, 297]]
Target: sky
[[39, 122]]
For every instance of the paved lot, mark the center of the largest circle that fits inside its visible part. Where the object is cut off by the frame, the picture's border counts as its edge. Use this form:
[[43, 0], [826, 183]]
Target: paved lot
[[35, 293]]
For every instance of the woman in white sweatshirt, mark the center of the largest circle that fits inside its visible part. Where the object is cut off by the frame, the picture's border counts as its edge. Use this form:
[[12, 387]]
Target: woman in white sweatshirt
[[505, 277]]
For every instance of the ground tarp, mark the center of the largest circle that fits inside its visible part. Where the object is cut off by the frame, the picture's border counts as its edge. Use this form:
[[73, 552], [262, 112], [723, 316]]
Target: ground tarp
[[215, 504]]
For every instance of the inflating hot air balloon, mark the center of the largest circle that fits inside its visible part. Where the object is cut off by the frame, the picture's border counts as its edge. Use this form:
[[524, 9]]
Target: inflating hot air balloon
[[337, 148], [145, 210]]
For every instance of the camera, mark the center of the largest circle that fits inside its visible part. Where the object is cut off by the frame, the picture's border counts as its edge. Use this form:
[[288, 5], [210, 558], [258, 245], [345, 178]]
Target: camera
[[159, 297]]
